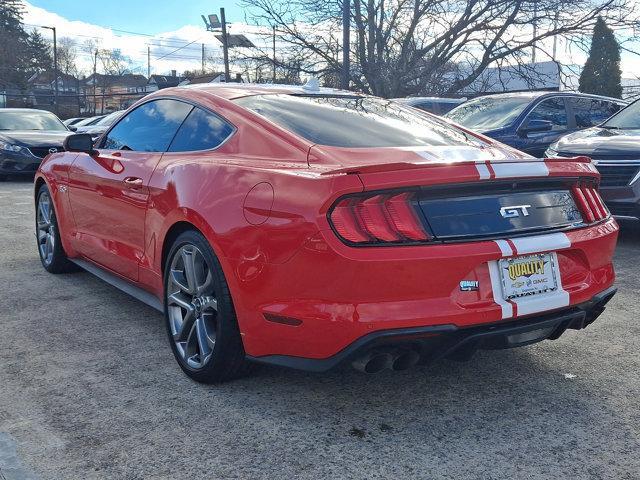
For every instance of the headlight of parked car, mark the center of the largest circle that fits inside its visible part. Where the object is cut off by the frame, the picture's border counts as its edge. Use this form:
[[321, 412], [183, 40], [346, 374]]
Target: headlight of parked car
[[8, 147]]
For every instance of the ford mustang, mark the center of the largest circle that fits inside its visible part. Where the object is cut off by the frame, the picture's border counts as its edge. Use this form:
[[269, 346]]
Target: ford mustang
[[308, 227]]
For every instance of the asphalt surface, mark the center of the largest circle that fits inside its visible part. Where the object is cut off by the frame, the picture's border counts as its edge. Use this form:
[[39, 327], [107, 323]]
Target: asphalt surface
[[89, 389]]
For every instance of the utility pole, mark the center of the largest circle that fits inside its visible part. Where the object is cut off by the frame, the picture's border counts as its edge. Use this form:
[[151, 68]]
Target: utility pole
[[274, 54], [225, 46], [203, 58], [555, 38], [55, 67], [95, 80], [535, 32], [346, 23], [148, 61]]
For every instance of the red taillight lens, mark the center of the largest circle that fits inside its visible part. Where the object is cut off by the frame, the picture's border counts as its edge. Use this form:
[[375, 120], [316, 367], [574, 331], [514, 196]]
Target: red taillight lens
[[382, 218], [590, 203]]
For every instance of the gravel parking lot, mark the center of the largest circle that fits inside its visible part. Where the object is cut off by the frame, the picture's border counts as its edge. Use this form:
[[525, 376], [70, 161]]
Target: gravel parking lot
[[89, 389]]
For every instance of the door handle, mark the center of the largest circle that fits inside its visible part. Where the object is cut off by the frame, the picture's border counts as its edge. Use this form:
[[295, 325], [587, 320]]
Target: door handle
[[133, 182]]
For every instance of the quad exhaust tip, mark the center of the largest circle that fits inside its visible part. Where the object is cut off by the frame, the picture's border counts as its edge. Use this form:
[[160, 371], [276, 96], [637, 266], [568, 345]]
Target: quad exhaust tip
[[374, 361]]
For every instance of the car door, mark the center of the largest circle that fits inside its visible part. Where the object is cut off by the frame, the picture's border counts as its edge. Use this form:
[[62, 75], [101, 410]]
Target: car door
[[108, 191], [552, 110]]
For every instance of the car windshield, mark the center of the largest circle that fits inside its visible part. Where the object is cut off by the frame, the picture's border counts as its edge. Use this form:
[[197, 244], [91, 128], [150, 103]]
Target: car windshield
[[26, 120], [109, 119], [355, 121], [489, 113], [628, 118]]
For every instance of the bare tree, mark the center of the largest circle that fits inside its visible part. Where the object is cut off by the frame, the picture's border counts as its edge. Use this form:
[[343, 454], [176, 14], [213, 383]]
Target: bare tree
[[403, 47], [67, 55], [114, 62]]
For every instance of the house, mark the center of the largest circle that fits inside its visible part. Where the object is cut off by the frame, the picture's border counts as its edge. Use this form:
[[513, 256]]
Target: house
[[158, 82], [44, 81], [216, 77], [108, 93]]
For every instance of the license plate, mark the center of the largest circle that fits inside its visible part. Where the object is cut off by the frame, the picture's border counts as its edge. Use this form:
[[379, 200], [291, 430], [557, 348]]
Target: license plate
[[528, 275]]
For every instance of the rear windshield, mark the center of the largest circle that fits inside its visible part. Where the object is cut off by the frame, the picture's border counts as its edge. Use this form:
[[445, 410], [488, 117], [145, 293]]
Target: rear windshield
[[355, 122], [489, 113]]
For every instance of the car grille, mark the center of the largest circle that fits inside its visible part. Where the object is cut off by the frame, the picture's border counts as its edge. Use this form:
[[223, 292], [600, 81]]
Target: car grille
[[42, 152], [618, 173]]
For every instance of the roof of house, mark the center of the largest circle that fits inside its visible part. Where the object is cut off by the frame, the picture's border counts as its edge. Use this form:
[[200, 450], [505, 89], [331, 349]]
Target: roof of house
[[126, 80], [165, 81], [47, 77], [207, 78]]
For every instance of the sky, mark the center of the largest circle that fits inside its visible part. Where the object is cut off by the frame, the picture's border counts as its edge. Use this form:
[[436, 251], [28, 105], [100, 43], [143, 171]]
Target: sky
[[173, 32], [145, 16]]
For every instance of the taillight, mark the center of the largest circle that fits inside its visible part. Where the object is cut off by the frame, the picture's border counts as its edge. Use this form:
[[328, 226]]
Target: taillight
[[590, 203], [379, 218]]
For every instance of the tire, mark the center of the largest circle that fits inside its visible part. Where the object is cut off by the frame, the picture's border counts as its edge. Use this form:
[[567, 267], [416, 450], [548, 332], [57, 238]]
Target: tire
[[199, 314], [52, 255]]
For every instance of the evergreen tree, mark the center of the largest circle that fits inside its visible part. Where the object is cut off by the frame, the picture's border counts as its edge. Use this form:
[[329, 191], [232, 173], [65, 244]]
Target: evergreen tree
[[601, 74], [40, 57], [13, 45]]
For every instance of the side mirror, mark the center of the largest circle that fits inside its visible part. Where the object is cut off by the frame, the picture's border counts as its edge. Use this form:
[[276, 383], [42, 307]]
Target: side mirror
[[536, 126], [73, 128], [79, 142]]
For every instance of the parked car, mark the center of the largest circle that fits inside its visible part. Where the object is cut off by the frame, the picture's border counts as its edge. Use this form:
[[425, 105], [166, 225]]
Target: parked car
[[614, 147], [435, 105], [89, 121], [532, 121], [95, 129], [310, 227], [72, 121], [26, 137]]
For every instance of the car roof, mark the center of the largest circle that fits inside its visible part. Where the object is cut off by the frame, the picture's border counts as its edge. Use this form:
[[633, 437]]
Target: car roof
[[24, 110], [429, 99], [541, 94], [231, 91]]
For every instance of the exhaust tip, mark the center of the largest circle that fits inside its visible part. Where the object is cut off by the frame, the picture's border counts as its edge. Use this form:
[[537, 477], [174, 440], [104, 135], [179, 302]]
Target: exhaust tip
[[405, 360], [373, 362]]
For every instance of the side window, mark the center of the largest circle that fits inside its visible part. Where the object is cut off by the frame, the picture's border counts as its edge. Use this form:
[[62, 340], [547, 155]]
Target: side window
[[603, 110], [590, 111], [200, 131], [148, 128], [551, 110]]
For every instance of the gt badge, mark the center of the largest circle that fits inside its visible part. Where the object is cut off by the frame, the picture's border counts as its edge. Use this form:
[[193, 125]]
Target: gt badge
[[469, 285]]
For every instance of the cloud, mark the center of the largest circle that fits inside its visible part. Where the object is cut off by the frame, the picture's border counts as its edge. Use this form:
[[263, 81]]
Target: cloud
[[168, 50]]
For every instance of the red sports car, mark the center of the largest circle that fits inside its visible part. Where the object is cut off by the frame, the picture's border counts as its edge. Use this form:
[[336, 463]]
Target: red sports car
[[310, 227]]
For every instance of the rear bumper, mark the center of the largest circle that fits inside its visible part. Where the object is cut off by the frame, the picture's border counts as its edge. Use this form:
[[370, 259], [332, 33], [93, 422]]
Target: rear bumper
[[449, 341]]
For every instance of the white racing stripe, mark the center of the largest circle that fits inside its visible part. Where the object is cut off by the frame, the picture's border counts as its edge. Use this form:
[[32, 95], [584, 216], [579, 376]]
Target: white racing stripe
[[496, 287], [520, 169], [483, 171], [541, 243], [505, 248]]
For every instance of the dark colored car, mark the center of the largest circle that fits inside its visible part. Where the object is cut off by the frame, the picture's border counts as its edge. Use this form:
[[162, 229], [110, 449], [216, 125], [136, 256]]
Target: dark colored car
[[435, 105], [614, 146], [26, 137], [95, 129], [532, 121]]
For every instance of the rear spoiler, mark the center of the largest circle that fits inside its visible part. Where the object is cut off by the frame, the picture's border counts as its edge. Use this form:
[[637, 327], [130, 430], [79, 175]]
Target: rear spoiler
[[397, 166]]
